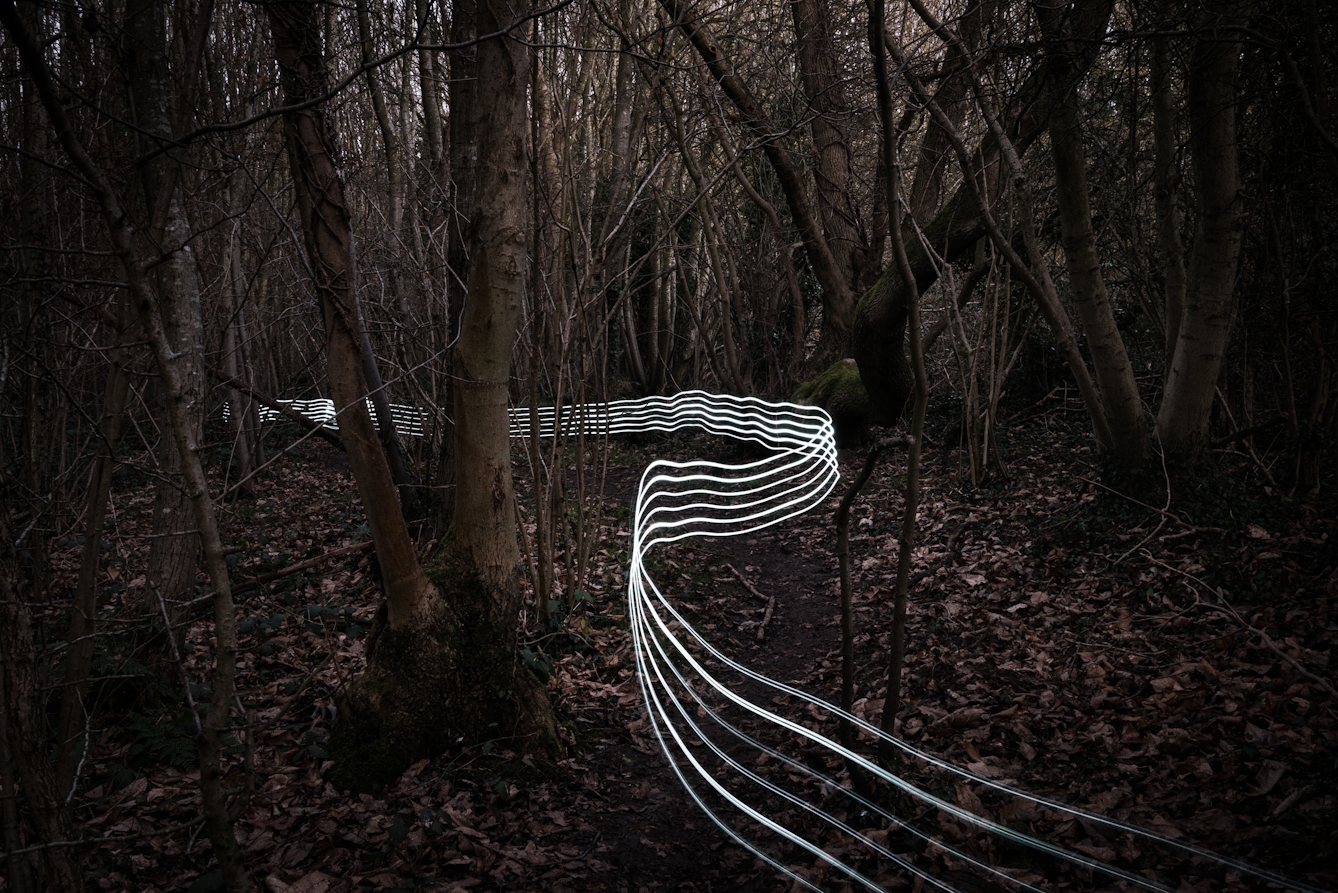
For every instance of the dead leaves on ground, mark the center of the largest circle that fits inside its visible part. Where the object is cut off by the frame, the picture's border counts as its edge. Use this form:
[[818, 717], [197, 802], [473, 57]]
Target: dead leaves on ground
[[1078, 666]]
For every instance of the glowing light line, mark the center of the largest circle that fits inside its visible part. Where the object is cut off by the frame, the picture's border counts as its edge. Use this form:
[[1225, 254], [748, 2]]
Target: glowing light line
[[682, 500], [410, 421]]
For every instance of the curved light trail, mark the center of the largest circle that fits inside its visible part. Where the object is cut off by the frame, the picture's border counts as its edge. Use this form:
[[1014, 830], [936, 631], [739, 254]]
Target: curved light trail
[[714, 717]]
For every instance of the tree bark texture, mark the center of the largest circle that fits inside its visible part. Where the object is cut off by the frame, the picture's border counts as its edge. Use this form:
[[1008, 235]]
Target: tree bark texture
[[329, 243], [444, 668], [1205, 320], [175, 547], [1114, 373], [485, 526], [820, 76]]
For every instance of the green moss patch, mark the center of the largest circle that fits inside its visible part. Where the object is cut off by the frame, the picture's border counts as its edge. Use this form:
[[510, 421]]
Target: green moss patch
[[840, 391]]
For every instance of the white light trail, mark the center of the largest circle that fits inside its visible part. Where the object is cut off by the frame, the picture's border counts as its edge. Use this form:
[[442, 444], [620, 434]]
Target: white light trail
[[410, 421], [710, 713]]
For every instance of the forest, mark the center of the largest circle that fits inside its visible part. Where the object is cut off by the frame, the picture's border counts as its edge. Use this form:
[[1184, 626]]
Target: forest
[[685, 445]]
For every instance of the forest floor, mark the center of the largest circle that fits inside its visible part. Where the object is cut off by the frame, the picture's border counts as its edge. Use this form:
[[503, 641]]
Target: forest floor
[[1169, 667]]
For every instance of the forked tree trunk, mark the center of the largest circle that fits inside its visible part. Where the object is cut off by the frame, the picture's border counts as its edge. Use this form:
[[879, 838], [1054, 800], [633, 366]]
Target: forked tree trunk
[[880, 316], [1205, 319], [448, 647]]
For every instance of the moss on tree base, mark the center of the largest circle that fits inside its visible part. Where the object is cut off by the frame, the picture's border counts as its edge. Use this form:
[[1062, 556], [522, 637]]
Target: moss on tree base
[[451, 676], [840, 391]]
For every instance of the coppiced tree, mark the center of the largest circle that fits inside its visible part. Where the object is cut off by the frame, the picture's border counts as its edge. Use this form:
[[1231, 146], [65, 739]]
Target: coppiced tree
[[446, 647]]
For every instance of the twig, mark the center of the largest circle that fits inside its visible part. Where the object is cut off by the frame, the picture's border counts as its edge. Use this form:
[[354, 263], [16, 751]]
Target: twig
[[97, 841], [246, 585], [770, 600], [1243, 433], [766, 618], [744, 580], [1165, 514], [317, 428], [254, 582], [1226, 609], [1293, 798]]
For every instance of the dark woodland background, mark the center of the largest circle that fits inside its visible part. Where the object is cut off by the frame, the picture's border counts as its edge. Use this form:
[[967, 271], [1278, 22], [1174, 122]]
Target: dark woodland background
[[1077, 255]]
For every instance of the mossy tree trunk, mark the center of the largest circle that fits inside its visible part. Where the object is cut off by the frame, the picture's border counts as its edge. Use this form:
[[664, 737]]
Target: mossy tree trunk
[[444, 667]]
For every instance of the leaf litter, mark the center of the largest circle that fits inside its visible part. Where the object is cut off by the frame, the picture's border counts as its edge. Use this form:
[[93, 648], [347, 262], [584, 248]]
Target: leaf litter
[[1174, 676]]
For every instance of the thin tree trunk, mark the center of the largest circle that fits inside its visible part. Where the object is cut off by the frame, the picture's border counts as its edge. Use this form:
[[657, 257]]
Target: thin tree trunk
[[329, 244], [1166, 189], [459, 209], [218, 818], [838, 301], [1205, 322], [920, 390], [72, 743], [1114, 373], [175, 546]]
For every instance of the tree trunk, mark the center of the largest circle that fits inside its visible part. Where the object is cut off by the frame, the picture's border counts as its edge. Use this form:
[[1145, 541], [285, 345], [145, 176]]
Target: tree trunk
[[329, 243], [243, 417], [1166, 189], [385, 421], [447, 647], [459, 206], [832, 173], [175, 547], [1114, 373], [72, 743], [1205, 320]]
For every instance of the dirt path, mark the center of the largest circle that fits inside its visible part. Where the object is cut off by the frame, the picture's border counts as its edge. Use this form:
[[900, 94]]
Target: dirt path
[[652, 835]]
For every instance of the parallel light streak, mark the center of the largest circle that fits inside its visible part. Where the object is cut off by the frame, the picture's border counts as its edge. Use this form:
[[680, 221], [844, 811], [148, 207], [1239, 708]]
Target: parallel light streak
[[410, 421], [678, 668]]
